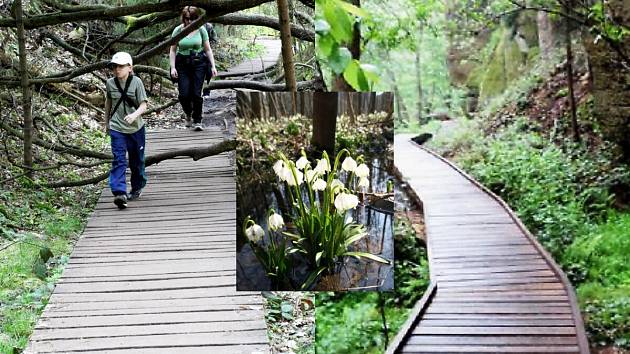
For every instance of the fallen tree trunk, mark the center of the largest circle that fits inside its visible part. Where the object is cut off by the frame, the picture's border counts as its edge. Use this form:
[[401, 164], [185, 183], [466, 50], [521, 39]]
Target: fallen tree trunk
[[217, 7], [195, 153], [265, 21]]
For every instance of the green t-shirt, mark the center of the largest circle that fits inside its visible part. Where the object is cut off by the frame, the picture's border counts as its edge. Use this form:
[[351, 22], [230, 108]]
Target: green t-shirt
[[137, 94], [193, 42]]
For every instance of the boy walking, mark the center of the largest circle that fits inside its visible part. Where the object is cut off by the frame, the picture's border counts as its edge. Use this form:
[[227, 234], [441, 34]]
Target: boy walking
[[126, 128]]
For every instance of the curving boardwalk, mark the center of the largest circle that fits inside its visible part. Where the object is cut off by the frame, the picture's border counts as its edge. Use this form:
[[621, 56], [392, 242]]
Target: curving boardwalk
[[493, 287], [273, 49], [158, 277]]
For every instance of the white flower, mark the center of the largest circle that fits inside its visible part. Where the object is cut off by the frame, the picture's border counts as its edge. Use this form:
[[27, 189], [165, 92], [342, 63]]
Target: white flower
[[291, 180], [345, 201], [301, 162], [364, 182], [319, 185], [275, 221], [362, 171], [278, 168], [349, 164], [254, 233], [336, 186], [310, 175], [322, 166]]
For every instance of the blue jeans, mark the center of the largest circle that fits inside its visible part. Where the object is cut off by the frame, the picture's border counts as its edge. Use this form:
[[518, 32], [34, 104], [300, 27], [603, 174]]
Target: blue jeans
[[191, 71], [133, 144]]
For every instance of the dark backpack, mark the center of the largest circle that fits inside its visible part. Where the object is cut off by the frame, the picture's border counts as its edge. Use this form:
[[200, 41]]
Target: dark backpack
[[212, 34]]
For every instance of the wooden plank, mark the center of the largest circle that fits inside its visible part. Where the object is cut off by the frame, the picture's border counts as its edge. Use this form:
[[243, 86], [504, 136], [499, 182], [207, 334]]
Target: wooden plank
[[155, 340], [92, 306], [490, 269], [504, 308], [493, 340], [480, 298], [160, 276], [148, 295], [166, 318], [490, 275], [147, 329], [494, 316], [487, 331], [488, 349], [498, 323], [151, 310], [150, 267]]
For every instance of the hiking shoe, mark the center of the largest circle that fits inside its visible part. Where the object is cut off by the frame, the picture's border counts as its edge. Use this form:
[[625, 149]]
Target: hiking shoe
[[197, 127], [120, 201], [188, 120], [134, 195]]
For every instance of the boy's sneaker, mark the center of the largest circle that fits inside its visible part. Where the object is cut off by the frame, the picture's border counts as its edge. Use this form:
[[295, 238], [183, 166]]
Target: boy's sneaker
[[134, 195], [188, 120], [120, 201], [197, 127]]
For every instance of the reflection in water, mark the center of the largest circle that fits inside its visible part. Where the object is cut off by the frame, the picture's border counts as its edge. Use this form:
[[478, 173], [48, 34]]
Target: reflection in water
[[353, 274]]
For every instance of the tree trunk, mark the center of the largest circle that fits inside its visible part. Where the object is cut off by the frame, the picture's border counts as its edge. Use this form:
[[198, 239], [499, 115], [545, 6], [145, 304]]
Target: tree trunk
[[256, 102], [287, 48], [420, 104], [569, 50], [400, 104], [26, 90], [325, 106]]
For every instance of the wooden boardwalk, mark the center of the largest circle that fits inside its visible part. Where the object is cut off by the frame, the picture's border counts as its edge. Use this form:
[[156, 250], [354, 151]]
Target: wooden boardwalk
[[493, 287], [273, 48], [158, 277]]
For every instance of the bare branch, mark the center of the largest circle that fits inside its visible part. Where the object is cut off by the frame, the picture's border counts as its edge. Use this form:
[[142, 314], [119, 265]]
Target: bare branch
[[266, 21], [65, 149], [87, 13]]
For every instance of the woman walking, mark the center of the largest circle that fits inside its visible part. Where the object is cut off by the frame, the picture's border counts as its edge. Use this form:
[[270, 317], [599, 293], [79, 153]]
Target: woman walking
[[191, 60]]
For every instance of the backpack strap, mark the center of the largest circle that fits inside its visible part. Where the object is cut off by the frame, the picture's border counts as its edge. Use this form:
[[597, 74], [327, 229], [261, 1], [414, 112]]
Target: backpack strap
[[123, 95]]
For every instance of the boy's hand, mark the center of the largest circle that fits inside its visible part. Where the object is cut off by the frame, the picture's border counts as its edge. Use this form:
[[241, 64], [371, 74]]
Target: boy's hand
[[174, 73], [130, 118], [214, 71]]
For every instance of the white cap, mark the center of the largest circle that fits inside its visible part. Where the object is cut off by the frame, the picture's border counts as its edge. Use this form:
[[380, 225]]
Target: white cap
[[121, 58]]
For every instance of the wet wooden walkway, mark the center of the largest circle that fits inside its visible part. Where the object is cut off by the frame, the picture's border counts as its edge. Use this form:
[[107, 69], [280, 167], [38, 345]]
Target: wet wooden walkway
[[273, 48], [159, 276], [493, 287]]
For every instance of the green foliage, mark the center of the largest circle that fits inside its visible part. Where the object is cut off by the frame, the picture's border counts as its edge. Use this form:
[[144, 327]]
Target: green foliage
[[38, 227], [334, 26], [349, 323], [606, 311], [394, 37], [411, 265], [602, 251], [553, 191], [597, 260]]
